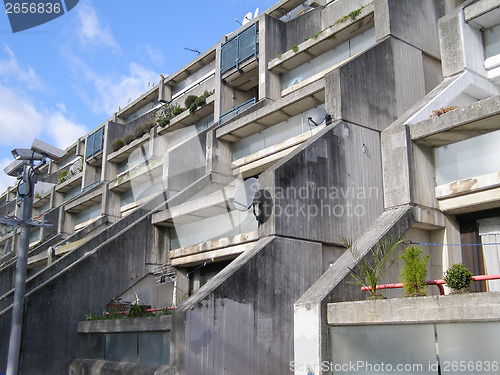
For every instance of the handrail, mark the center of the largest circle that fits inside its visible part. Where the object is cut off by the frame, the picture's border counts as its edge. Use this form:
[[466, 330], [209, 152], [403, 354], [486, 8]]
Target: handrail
[[235, 111], [438, 282]]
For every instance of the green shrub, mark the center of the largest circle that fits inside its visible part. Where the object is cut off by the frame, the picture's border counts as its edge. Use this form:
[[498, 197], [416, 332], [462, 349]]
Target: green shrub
[[458, 277], [200, 101], [117, 144], [414, 272], [162, 121], [189, 101], [128, 139], [177, 111], [63, 176], [137, 311]]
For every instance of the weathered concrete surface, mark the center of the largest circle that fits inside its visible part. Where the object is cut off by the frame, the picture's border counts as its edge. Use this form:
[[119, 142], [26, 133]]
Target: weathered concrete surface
[[430, 309], [329, 186], [101, 367], [461, 45], [153, 323], [88, 277], [241, 321], [413, 21], [462, 123], [378, 86], [311, 344]]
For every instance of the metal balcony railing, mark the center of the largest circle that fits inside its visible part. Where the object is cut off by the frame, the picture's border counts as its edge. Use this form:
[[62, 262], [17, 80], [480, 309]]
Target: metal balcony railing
[[239, 48], [94, 143], [236, 111]]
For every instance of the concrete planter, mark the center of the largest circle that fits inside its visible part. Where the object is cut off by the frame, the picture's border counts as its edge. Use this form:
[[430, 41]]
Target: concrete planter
[[430, 309]]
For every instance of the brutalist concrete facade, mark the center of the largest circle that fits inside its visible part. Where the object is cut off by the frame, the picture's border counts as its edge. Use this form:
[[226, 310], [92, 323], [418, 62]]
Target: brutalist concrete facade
[[252, 291]]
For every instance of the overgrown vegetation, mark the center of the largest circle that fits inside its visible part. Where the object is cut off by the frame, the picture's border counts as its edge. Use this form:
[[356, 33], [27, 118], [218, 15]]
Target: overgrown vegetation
[[134, 311], [458, 278], [353, 15], [117, 144], [369, 272], [414, 272], [66, 174], [166, 113], [138, 132], [443, 110], [295, 48]]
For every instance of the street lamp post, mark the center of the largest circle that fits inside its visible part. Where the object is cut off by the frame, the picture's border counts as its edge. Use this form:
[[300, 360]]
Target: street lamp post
[[28, 184], [25, 158]]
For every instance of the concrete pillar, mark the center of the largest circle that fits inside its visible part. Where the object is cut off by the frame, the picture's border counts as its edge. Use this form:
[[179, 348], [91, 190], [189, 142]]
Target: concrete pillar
[[271, 43]]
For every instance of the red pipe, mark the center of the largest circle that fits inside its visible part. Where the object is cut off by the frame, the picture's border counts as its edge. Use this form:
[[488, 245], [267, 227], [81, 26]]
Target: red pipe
[[439, 283]]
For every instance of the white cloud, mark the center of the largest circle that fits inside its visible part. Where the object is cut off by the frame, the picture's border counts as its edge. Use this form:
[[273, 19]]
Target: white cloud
[[5, 181], [13, 72], [21, 121], [114, 91], [155, 54], [91, 31], [63, 131], [19, 118]]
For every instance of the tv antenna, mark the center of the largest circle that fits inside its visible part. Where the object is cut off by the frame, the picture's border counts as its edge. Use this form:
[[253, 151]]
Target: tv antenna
[[193, 50]]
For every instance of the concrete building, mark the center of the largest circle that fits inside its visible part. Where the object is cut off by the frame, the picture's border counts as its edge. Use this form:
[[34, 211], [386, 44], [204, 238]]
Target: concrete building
[[153, 187]]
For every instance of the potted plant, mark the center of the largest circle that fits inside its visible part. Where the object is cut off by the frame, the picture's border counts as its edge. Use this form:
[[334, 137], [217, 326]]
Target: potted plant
[[414, 272], [369, 273], [458, 278]]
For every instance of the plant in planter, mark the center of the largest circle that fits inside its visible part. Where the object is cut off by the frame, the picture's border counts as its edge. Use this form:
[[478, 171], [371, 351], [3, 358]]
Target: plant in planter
[[138, 311], [117, 144], [368, 273], [442, 111], [63, 177], [414, 272], [458, 278], [189, 101], [128, 139]]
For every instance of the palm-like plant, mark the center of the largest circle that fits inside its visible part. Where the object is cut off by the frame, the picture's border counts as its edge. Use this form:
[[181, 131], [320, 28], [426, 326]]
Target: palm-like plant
[[368, 273]]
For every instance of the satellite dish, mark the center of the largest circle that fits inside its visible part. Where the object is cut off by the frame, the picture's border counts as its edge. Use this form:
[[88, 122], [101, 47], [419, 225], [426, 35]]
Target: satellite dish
[[256, 13], [316, 116], [248, 17], [245, 195]]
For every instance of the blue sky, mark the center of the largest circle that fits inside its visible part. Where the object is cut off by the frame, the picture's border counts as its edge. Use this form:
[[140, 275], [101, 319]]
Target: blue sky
[[62, 79]]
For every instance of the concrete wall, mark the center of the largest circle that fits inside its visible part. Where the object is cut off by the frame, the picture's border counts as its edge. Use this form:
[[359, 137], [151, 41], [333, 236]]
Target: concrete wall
[[377, 87], [241, 321], [412, 21], [311, 343], [186, 162], [328, 187], [89, 277]]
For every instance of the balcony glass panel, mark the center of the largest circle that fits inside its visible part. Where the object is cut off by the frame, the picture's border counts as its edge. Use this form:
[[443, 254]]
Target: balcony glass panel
[[491, 38], [465, 342], [469, 158], [272, 135], [72, 193], [88, 214], [328, 59], [218, 226], [239, 48], [381, 349], [94, 143]]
